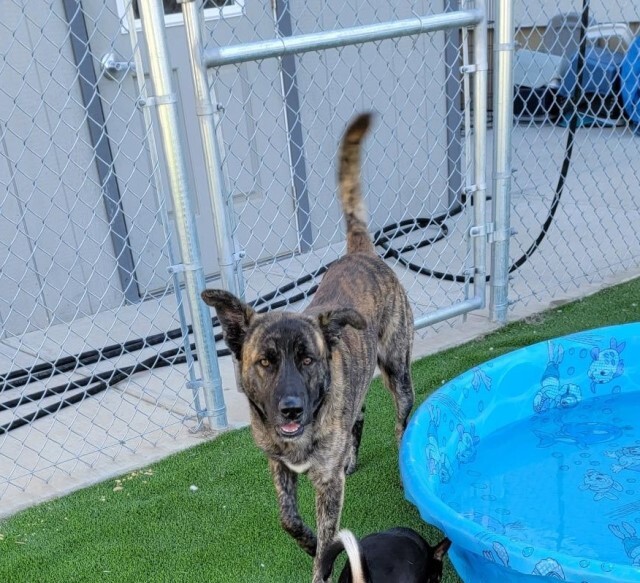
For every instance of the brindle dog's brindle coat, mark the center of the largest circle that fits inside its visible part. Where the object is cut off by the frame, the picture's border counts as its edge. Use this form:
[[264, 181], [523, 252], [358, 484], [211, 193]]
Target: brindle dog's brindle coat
[[306, 374]]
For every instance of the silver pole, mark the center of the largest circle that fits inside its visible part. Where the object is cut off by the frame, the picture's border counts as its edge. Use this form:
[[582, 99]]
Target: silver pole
[[480, 143], [502, 123], [212, 158], [152, 17], [162, 204], [317, 41]]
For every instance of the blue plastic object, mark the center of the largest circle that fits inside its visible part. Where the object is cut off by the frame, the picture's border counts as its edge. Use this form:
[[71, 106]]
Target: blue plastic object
[[530, 463], [630, 81], [601, 69], [599, 100]]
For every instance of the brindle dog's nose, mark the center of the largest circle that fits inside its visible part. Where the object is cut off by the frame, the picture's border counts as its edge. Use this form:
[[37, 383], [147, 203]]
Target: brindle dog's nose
[[291, 407]]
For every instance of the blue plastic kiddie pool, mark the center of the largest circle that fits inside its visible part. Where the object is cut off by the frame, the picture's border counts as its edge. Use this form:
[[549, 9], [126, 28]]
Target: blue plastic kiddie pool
[[530, 463]]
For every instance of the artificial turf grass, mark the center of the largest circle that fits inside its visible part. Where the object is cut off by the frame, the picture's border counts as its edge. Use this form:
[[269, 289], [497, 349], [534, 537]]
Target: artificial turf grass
[[157, 529]]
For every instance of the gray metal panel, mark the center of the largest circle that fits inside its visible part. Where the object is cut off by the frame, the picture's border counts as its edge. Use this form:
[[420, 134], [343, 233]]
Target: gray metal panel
[[253, 126], [21, 302], [405, 166]]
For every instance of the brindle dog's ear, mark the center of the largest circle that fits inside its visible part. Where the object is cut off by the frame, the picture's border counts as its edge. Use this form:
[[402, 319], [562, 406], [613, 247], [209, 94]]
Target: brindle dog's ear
[[234, 316], [334, 321]]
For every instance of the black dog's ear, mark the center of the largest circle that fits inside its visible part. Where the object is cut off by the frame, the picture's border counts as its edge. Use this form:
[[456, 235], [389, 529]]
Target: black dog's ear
[[441, 549], [234, 315], [334, 321]]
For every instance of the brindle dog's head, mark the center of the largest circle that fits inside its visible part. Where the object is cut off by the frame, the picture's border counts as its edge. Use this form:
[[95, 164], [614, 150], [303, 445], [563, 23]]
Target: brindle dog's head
[[283, 359]]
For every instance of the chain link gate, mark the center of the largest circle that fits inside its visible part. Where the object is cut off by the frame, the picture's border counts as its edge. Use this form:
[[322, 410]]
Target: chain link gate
[[95, 344], [312, 245]]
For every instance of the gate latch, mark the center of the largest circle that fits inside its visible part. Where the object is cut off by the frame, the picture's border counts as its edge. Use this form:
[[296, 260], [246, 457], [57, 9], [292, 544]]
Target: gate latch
[[113, 69]]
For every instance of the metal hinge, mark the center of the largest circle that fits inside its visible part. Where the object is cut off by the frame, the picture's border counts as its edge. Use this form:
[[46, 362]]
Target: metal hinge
[[481, 230], [489, 231], [153, 100]]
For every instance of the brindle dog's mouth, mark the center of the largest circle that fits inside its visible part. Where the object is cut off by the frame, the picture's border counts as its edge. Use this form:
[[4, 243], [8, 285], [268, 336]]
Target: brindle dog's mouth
[[290, 430]]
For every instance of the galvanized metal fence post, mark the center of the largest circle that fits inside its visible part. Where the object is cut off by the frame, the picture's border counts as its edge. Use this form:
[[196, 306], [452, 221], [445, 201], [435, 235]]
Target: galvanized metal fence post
[[502, 126], [162, 207], [318, 41], [152, 16], [227, 258]]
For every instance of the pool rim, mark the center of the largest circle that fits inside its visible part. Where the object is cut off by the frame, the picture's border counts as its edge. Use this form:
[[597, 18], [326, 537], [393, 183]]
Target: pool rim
[[463, 531]]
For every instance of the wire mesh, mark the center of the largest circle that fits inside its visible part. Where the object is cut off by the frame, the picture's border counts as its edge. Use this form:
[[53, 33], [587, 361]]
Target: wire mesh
[[92, 353], [590, 239], [95, 349], [280, 123]]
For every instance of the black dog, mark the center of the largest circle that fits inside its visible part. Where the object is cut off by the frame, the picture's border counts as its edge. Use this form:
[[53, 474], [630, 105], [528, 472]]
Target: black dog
[[399, 555]]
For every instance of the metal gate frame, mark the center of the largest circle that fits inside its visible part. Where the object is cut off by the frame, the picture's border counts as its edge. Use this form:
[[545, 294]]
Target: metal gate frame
[[503, 48], [152, 18]]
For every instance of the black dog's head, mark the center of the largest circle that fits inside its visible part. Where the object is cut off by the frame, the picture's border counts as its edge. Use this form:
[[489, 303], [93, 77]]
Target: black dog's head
[[283, 359]]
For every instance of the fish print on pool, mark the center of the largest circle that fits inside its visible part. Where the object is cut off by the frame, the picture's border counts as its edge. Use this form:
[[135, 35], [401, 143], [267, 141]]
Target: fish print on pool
[[606, 364]]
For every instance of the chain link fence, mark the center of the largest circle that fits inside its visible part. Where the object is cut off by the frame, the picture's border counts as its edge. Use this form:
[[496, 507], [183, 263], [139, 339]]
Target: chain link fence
[[579, 191], [96, 347]]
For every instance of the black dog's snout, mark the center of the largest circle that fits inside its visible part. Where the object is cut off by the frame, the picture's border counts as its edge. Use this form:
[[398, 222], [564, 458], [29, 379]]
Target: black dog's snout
[[291, 407]]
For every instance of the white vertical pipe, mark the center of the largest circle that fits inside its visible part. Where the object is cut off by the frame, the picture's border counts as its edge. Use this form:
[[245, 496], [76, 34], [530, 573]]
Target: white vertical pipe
[[212, 159], [162, 204]]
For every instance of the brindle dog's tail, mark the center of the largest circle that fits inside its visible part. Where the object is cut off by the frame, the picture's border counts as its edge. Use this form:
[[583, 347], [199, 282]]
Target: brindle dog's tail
[[355, 212]]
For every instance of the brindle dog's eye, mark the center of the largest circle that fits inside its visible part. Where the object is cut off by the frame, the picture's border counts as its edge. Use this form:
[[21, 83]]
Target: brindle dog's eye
[[307, 360], [264, 362]]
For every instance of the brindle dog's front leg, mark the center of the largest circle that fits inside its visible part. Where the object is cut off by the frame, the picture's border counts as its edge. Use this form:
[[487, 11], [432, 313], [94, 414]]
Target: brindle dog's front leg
[[329, 499], [286, 483]]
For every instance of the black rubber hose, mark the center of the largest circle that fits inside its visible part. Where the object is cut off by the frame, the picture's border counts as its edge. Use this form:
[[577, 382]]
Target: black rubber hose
[[571, 133], [99, 382], [46, 370], [102, 381], [566, 164]]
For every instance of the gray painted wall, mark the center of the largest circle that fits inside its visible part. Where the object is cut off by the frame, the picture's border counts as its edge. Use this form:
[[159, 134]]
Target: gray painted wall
[[56, 255], [56, 259]]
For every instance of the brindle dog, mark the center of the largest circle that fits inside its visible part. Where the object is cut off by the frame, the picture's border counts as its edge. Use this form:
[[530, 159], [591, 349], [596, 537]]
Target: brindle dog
[[306, 374]]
